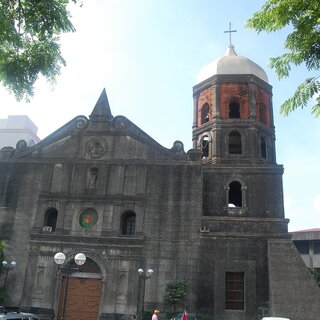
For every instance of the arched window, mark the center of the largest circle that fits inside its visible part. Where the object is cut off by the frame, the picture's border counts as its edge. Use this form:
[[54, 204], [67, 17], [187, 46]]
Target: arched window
[[128, 223], [235, 194], [90, 266], [235, 145], [263, 148], [234, 109], [263, 113], [50, 219], [92, 177], [205, 113], [205, 147]]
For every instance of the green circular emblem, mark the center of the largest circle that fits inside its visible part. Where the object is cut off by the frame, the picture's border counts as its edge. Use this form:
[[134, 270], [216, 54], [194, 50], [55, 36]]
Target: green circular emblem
[[88, 218]]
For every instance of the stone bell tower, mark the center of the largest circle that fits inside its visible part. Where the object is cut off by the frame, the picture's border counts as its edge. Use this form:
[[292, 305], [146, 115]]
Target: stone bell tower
[[242, 183], [244, 233], [234, 129]]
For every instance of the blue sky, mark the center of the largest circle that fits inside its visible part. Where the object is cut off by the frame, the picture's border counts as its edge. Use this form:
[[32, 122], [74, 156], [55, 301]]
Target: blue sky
[[147, 54]]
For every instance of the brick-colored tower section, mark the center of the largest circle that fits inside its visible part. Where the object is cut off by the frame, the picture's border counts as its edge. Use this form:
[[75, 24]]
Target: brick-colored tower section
[[234, 92], [205, 98], [240, 105]]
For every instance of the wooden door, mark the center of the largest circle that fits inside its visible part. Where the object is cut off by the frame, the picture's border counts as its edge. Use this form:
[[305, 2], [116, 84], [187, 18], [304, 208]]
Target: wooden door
[[83, 299]]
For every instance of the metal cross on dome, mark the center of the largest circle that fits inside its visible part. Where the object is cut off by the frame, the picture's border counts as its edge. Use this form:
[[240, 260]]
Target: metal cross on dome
[[230, 31]]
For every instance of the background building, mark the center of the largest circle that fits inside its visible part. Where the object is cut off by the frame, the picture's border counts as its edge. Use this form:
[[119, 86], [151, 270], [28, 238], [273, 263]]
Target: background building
[[212, 216], [17, 128], [308, 244]]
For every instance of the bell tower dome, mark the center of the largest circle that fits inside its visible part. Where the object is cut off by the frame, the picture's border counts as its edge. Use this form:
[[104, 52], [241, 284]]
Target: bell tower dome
[[233, 117]]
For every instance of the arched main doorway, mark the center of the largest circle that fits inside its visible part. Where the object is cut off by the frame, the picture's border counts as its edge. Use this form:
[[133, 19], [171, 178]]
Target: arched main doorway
[[83, 293]]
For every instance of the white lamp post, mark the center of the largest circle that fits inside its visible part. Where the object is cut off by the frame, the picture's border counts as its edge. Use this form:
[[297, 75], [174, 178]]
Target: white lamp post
[[59, 259], [143, 277], [6, 266]]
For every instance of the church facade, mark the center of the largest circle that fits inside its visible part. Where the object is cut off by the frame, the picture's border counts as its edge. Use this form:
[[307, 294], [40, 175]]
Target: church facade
[[212, 216]]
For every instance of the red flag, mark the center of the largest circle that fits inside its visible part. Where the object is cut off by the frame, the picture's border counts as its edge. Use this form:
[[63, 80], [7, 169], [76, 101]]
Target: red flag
[[185, 315]]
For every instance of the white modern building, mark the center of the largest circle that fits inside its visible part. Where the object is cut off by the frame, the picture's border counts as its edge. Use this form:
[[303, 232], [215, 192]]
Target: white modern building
[[16, 128], [308, 244]]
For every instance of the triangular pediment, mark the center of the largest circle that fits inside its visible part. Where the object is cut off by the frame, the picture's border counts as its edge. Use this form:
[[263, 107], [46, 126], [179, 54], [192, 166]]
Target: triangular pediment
[[102, 137], [121, 139]]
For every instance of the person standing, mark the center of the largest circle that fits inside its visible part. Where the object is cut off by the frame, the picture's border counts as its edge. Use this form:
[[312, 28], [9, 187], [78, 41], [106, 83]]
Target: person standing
[[155, 315]]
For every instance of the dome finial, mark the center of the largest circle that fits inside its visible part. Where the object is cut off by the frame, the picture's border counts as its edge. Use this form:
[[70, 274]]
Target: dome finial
[[230, 31], [231, 51]]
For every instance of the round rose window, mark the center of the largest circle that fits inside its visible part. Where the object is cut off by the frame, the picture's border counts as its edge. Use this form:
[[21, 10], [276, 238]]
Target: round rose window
[[88, 218]]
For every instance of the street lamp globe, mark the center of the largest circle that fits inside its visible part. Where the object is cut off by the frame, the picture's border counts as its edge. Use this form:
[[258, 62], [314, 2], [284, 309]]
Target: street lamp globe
[[150, 272], [80, 259], [6, 264], [140, 271], [59, 258]]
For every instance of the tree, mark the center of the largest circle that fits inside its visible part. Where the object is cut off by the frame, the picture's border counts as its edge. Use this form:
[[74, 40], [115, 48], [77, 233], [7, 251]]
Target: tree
[[175, 293], [2, 245], [316, 275], [29, 42], [302, 45]]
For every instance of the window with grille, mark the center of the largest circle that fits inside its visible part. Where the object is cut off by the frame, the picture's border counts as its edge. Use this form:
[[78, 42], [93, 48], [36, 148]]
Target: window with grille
[[316, 247], [128, 223], [302, 246], [234, 290]]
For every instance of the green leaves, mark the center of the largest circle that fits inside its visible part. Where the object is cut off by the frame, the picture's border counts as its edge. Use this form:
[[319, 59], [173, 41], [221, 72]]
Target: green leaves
[[175, 293], [316, 275], [29, 42], [302, 44], [20, 69], [2, 247], [301, 97]]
